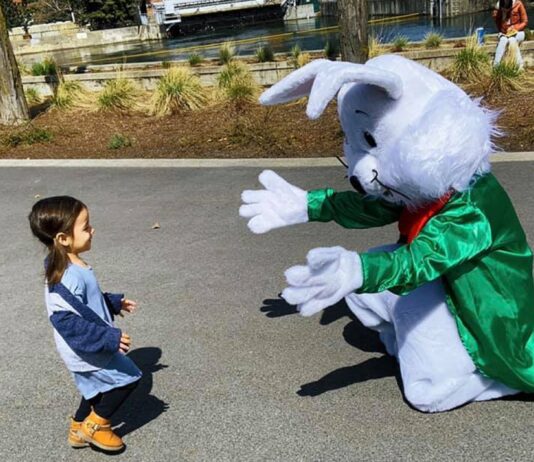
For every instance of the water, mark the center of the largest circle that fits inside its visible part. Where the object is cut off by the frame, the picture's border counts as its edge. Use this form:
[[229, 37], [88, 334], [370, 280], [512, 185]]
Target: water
[[309, 34]]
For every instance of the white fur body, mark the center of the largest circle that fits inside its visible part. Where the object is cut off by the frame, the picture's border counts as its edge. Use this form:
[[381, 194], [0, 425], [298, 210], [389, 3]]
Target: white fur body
[[410, 137]]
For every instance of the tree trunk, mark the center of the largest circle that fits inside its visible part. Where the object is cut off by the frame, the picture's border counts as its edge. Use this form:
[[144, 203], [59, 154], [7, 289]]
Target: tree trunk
[[13, 107], [352, 18]]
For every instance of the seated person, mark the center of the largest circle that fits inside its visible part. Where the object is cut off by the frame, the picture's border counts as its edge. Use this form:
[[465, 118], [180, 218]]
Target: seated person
[[511, 19]]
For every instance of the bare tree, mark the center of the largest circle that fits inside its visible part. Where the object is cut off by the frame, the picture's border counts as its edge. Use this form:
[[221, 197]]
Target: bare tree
[[352, 18], [13, 107]]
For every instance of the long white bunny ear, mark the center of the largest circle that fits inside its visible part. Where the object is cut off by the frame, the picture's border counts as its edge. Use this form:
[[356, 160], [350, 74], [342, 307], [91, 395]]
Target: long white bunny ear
[[296, 85], [329, 81]]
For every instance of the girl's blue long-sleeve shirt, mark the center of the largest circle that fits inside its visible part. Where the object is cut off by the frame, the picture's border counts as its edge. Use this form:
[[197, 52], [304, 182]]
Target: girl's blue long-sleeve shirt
[[82, 317]]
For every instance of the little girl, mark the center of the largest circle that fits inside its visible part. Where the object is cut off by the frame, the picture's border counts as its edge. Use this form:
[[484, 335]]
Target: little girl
[[82, 317]]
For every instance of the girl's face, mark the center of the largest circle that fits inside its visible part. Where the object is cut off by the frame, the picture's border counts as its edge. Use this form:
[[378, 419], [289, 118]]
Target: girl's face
[[82, 233]]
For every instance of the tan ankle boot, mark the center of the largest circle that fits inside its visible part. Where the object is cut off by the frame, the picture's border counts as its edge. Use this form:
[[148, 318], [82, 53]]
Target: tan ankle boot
[[74, 439], [97, 430]]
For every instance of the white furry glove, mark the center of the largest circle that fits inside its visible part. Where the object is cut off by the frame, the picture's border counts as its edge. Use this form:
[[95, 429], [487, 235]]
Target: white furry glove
[[279, 204], [331, 274]]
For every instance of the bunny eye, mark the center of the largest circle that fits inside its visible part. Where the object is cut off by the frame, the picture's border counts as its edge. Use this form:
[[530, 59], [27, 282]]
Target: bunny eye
[[369, 139]]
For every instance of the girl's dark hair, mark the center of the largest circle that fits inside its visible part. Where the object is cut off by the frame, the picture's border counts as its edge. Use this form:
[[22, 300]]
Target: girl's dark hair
[[49, 217], [505, 4]]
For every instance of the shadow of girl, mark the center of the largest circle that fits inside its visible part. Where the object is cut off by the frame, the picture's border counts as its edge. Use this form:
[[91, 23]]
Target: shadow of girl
[[141, 407]]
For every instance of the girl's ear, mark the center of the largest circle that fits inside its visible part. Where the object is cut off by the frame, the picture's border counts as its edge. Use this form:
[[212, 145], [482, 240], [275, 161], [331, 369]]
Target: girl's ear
[[63, 239]]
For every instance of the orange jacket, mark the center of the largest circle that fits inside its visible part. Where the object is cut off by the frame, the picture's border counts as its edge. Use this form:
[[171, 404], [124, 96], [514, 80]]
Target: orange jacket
[[517, 19]]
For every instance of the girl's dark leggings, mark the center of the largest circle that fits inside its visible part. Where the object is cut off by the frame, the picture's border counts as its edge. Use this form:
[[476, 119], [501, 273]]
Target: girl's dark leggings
[[104, 404]]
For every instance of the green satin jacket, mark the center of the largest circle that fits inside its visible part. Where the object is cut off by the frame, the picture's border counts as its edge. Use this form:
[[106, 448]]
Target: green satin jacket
[[476, 244]]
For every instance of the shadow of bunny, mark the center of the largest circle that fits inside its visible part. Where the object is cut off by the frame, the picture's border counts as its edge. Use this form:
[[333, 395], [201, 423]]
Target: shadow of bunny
[[356, 335], [141, 407]]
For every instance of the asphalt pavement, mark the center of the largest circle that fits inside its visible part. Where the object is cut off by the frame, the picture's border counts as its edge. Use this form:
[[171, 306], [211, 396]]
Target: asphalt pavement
[[231, 372]]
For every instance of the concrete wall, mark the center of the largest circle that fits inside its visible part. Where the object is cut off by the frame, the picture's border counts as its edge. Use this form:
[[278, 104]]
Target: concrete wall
[[65, 35], [266, 74]]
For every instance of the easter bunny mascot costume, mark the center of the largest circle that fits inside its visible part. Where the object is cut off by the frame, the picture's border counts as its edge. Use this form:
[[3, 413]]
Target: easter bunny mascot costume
[[453, 300]]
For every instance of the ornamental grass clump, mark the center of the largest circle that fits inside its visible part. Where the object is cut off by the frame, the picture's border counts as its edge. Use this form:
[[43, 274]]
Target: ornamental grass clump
[[303, 59], [226, 53], [68, 94], [32, 96], [237, 85], [194, 59], [117, 95], [400, 43], [507, 77], [265, 54], [178, 90], [375, 46], [471, 64], [433, 40]]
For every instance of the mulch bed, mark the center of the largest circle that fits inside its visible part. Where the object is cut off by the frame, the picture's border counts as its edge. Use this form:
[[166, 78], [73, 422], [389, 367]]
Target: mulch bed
[[223, 132]]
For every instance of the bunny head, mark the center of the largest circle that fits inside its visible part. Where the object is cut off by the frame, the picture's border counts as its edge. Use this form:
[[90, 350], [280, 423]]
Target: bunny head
[[410, 135]]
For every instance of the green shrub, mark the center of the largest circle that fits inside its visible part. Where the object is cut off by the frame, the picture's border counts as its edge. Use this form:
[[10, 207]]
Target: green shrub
[[178, 89], [195, 59], [32, 96], [27, 135], [45, 67], [118, 141], [264, 54], [529, 35], [226, 53], [433, 40], [400, 43], [119, 94], [331, 50]]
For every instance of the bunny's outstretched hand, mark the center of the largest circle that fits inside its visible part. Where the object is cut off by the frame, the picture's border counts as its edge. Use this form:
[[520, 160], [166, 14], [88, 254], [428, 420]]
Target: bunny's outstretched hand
[[331, 274], [279, 204]]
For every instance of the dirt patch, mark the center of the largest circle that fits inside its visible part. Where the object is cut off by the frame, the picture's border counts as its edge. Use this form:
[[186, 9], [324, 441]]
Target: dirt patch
[[221, 132]]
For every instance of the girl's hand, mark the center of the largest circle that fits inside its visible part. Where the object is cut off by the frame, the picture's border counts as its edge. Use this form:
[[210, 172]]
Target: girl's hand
[[125, 343], [128, 305]]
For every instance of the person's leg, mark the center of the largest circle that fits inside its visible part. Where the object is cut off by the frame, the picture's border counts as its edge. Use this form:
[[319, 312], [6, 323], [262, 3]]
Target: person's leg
[[437, 372], [84, 409], [519, 38], [96, 428], [113, 399], [373, 310], [501, 48]]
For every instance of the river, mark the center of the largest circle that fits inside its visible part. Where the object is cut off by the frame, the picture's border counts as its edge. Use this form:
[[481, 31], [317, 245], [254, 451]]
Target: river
[[309, 34]]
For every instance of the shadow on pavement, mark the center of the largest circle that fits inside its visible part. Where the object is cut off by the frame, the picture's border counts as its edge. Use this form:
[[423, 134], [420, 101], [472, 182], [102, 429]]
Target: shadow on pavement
[[277, 307], [142, 407], [356, 335], [374, 368]]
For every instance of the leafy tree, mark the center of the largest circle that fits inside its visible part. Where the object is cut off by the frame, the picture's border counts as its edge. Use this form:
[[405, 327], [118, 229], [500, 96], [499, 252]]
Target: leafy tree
[[16, 14], [45, 11], [108, 14]]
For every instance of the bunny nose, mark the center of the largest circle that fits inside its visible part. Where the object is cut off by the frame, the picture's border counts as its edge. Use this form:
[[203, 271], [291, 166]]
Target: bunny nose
[[356, 184]]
